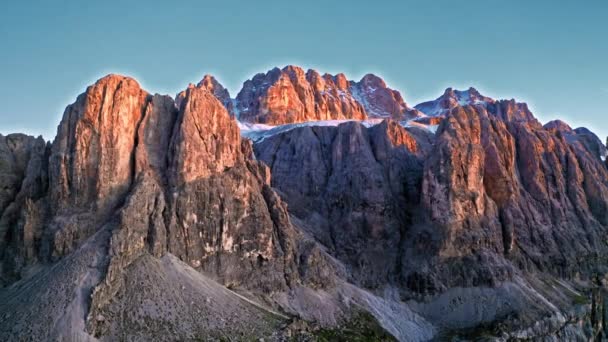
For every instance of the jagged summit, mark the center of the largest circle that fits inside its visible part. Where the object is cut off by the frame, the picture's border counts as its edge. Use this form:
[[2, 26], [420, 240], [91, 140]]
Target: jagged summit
[[558, 125], [111, 77], [380, 101], [508, 110], [291, 95], [210, 84], [452, 98], [580, 137]]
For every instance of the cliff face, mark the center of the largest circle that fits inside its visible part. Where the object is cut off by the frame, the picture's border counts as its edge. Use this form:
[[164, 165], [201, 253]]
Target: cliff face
[[23, 180], [291, 95], [491, 185], [214, 87], [146, 211], [502, 187], [380, 101], [154, 178], [353, 186]]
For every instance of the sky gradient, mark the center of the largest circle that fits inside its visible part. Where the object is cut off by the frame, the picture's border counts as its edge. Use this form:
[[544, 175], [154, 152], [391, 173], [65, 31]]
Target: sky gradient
[[553, 57]]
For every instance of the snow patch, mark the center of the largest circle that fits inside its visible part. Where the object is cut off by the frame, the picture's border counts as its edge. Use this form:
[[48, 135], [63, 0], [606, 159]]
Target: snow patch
[[412, 123], [362, 99], [464, 97], [440, 107], [259, 132]]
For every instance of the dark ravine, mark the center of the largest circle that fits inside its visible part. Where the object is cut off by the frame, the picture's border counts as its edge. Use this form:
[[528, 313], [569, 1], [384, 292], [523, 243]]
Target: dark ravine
[[151, 218]]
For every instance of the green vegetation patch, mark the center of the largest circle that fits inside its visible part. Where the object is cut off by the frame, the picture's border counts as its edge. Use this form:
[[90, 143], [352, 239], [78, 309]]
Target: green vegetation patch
[[362, 327]]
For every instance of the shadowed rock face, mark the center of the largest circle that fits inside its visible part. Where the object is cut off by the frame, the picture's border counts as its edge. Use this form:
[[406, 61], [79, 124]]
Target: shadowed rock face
[[291, 95], [491, 194], [353, 186], [23, 181]]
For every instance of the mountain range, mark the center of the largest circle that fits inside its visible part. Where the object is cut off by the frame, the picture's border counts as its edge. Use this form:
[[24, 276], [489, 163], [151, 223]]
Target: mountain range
[[308, 207]]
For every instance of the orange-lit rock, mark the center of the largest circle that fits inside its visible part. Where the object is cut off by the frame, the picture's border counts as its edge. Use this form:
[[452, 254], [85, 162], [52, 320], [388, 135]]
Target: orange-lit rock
[[91, 161], [291, 95]]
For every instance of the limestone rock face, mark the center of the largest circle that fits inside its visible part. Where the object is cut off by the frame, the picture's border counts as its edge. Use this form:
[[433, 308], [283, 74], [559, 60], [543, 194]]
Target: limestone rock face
[[23, 181], [291, 95], [91, 162], [205, 141], [467, 206], [214, 210], [580, 138], [353, 187], [16, 152], [147, 209], [210, 84], [155, 179], [499, 186], [213, 86], [154, 137], [451, 99], [380, 101], [433, 112], [513, 111]]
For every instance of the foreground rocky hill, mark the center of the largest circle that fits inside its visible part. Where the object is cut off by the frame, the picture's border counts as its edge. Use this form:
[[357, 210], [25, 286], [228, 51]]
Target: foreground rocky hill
[[149, 218]]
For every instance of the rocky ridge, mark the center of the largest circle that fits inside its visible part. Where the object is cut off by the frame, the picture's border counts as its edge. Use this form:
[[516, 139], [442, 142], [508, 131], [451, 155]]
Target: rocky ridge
[[155, 178], [492, 197], [492, 221], [291, 95]]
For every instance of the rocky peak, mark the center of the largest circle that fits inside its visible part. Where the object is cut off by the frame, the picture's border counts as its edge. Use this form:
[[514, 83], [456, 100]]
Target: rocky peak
[[291, 95], [381, 101], [294, 72], [372, 81], [340, 81], [557, 126], [513, 111], [452, 98], [206, 140], [507, 110], [580, 138], [91, 156], [210, 84], [131, 176]]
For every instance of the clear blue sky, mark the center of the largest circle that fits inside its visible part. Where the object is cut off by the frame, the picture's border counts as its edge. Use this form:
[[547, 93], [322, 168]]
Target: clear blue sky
[[551, 54]]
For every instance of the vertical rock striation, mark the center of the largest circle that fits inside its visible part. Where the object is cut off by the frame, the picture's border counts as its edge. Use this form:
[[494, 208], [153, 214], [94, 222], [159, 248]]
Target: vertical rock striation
[[491, 194], [345, 183], [23, 183], [158, 179]]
